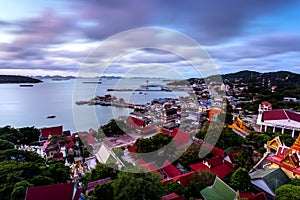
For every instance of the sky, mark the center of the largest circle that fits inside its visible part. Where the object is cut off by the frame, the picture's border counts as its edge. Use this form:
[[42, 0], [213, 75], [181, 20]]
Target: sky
[[83, 37]]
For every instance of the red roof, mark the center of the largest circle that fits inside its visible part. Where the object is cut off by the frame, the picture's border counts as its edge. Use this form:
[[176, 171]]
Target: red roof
[[215, 150], [57, 130], [266, 103], [174, 132], [58, 155], [218, 152], [141, 161], [119, 141], [148, 129], [166, 131], [296, 145], [152, 167], [215, 161], [281, 114], [134, 122], [70, 142], [170, 170], [274, 159], [132, 148], [172, 196], [90, 139], [274, 115], [180, 138], [92, 185], [296, 171], [249, 195], [50, 192], [293, 116], [165, 181], [199, 166], [282, 151], [221, 170], [277, 160], [184, 179]]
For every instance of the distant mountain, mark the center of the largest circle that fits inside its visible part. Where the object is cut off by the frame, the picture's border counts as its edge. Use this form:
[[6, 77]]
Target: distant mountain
[[247, 76], [241, 75], [254, 78], [56, 76], [17, 79]]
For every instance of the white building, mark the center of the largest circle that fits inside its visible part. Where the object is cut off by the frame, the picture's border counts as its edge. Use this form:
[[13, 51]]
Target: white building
[[278, 121]]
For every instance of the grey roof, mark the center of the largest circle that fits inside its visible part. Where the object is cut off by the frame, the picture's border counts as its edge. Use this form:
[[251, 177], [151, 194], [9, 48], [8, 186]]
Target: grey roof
[[272, 178]]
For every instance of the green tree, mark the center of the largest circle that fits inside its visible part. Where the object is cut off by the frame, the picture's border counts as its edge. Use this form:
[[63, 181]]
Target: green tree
[[157, 142], [227, 118], [4, 144], [136, 186], [102, 171], [29, 135], [258, 139], [103, 192], [227, 178], [240, 180], [18, 155], [18, 193], [176, 187], [41, 180], [295, 181], [145, 145], [286, 139], [244, 158], [287, 192], [112, 128], [25, 135], [198, 182], [228, 138], [10, 134], [12, 172], [19, 190], [59, 172], [202, 132], [191, 155]]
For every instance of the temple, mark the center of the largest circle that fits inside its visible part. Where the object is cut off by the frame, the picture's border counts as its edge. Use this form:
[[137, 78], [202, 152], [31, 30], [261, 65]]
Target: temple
[[286, 158]]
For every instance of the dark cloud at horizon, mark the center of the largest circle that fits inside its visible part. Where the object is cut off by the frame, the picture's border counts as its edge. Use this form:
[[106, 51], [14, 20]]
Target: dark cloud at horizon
[[231, 31]]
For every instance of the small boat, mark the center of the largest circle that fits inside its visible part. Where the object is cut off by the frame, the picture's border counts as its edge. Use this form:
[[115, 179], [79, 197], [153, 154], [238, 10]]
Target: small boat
[[92, 82], [26, 85], [51, 116]]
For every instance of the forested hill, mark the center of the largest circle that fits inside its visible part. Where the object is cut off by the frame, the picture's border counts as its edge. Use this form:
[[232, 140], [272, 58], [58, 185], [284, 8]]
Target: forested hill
[[17, 79], [250, 76], [247, 76]]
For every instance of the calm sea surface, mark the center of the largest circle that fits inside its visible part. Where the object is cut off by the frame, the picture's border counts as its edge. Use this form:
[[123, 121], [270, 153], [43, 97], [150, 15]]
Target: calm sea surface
[[30, 106]]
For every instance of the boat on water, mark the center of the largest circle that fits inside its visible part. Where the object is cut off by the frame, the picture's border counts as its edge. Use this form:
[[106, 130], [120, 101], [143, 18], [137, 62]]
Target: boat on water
[[93, 82], [26, 85], [51, 116]]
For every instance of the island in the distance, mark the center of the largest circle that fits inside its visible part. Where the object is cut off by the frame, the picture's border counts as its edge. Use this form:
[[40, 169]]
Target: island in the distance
[[18, 79]]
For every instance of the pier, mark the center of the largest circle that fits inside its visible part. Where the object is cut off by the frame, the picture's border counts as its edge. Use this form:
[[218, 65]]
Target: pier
[[140, 90], [116, 104]]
